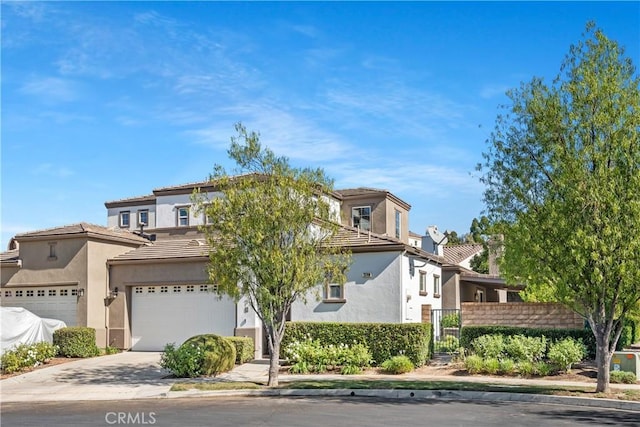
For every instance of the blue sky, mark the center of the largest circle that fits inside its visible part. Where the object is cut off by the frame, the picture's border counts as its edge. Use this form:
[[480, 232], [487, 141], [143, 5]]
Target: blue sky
[[108, 100]]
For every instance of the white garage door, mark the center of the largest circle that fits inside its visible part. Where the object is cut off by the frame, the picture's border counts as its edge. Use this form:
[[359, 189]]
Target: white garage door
[[171, 314], [58, 302]]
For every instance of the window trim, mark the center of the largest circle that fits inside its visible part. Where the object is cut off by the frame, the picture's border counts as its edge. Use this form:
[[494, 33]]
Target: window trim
[[121, 216], [333, 300], [178, 216], [139, 213], [353, 223], [422, 287], [436, 286]]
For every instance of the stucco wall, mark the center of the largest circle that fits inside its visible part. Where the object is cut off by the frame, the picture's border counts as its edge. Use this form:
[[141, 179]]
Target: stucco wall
[[412, 302], [113, 216], [375, 299], [532, 315]]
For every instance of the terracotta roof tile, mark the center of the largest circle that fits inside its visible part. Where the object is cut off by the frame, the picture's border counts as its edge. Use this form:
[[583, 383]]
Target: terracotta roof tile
[[458, 253]]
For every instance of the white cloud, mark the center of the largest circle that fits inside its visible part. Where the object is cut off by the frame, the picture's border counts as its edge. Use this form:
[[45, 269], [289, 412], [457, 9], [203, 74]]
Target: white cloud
[[50, 169], [492, 90], [51, 89]]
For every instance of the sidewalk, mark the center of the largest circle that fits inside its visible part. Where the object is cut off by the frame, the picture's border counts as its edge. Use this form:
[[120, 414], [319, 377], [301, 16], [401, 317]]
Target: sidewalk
[[137, 375]]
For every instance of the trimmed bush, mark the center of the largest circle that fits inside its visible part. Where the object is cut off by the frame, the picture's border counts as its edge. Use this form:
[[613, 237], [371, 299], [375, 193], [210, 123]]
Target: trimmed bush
[[449, 344], [450, 321], [76, 342], [311, 356], [26, 356], [245, 349], [622, 377], [525, 368], [491, 366], [219, 355], [507, 366], [384, 340], [474, 364], [397, 365], [565, 353], [469, 333], [542, 369]]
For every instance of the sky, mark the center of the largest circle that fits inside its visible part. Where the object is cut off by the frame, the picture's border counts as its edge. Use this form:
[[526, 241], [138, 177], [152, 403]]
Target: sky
[[109, 100]]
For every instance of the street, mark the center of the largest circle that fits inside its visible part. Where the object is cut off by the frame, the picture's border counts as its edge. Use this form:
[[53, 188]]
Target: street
[[279, 411]]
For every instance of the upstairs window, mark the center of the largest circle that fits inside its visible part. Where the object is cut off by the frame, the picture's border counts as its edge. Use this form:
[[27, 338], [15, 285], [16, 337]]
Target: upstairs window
[[183, 216], [436, 286], [397, 217], [52, 251], [361, 217], [143, 218], [125, 217], [423, 283]]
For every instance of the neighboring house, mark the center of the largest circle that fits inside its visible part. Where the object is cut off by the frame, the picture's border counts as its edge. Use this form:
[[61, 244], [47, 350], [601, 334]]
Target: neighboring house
[[151, 291], [61, 273]]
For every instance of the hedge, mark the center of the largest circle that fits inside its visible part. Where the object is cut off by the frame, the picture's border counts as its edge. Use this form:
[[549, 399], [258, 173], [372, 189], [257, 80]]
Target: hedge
[[469, 333], [384, 340], [76, 342], [245, 349], [630, 334]]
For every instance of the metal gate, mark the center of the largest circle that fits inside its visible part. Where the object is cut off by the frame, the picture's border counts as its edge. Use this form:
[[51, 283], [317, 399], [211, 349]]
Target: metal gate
[[446, 330]]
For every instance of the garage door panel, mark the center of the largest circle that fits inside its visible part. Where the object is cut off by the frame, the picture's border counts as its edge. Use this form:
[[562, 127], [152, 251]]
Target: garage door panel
[[53, 303], [172, 314]]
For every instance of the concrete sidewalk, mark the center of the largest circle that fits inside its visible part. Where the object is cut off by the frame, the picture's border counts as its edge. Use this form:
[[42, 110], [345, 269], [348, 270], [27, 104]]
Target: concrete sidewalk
[[137, 375]]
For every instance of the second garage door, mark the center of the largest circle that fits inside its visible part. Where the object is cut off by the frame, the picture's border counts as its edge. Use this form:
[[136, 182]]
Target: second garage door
[[172, 313], [53, 302]]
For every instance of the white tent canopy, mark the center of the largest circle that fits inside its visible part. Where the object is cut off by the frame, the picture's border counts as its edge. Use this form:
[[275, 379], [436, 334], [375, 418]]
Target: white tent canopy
[[20, 326]]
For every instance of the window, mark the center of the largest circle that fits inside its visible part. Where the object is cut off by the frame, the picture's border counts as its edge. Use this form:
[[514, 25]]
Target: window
[[190, 288], [40, 292], [18, 293], [52, 292], [143, 218], [29, 293], [151, 290], [74, 292], [177, 289], [204, 288], [52, 251], [164, 289], [124, 219], [361, 217], [64, 292], [183, 216], [397, 212], [423, 283], [138, 289], [436, 286], [7, 293], [334, 293]]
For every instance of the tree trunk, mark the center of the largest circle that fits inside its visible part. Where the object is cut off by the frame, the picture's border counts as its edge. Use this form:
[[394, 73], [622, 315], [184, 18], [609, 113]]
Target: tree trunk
[[603, 362], [274, 361]]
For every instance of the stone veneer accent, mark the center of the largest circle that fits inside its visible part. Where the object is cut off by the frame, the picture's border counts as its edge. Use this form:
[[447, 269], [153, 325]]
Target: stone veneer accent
[[529, 315]]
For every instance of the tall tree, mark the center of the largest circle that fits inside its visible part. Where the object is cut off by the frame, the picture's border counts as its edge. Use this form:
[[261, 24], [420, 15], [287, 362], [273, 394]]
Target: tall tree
[[270, 234], [563, 179]]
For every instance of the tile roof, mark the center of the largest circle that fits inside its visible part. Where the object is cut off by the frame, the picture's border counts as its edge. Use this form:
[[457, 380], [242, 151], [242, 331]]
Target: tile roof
[[458, 253], [367, 191], [196, 247], [129, 201], [83, 228], [9, 256]]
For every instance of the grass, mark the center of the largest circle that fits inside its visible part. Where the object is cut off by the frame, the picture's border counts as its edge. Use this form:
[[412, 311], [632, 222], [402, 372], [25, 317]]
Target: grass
[[351, 384]]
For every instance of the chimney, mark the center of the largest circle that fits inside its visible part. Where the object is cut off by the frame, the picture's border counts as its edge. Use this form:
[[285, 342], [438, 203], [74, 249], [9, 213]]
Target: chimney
[[495, 248]]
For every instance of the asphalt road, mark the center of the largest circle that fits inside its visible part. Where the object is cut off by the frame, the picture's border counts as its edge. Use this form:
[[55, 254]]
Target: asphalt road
[[279, 411]]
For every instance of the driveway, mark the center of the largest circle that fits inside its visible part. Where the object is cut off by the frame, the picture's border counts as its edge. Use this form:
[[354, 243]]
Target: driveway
[[127, 375]]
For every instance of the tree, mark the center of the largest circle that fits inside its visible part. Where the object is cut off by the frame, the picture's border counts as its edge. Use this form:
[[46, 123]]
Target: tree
[[563, 176], [271, 235]]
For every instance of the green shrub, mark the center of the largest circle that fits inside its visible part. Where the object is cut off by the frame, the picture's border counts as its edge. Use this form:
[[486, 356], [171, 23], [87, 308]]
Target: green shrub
[[311, 355], [450, 321], [219, 355], [489, 346], [507, 366], [76, 342], [542, 369], [245, 349], [563, 354], [26, 356], [384, 340], [184, 362], [469, 333], [630, 333], [449, 344], [397, 365], [491, 365], [473, 364], [520, 347], [350, 370], [622, 377], [525, 368], [111, 350]]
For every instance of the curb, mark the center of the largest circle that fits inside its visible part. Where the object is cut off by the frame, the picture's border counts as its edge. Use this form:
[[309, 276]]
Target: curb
[[445, 395]]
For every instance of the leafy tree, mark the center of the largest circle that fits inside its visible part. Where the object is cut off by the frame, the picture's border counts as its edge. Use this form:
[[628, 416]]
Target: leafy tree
[[271, 234], [562, 174], [480, 262], [453, 239]]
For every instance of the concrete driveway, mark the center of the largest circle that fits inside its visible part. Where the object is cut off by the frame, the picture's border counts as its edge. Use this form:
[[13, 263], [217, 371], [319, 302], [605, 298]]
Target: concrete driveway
[[127, 375]]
